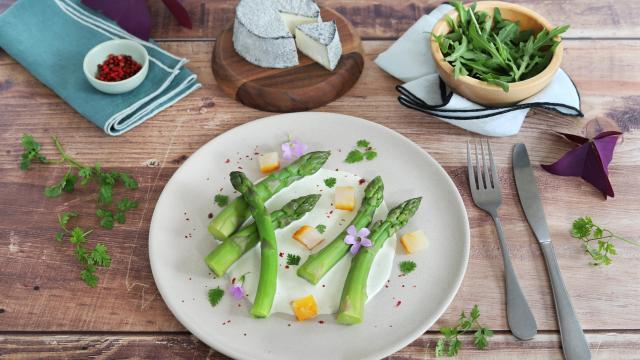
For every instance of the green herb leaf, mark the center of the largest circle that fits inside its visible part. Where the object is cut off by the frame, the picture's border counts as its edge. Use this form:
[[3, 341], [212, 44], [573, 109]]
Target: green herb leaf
[[370, 155], [99, 256], [407, 266], [63, 219], [354, 156], [589, 233], [126, 204], [363, 143], [215, 295], [31, 152], [128, 181], [221, 200], [330, 182], [321, 228], [59, 236], [450, 344], [89, 277], [293, 259]]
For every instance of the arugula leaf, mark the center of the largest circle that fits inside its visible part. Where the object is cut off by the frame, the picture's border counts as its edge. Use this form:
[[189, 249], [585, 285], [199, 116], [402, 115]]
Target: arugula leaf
[[321, 228], [221, 200], [450, 344], [354, 156], [293, 259], [585, 230], [31, 152], [407, 266], [330, 182], [215, 295]]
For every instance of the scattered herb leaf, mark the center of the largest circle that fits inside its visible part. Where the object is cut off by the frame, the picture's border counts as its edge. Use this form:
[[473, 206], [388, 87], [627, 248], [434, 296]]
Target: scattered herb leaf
[[215, 295], [370, 155], [31, 152], [330, 182], [321, 228], [450, 344], [354, 156], [293, 259], [221, 200], [585, 230], [363, 143], [407, 266]]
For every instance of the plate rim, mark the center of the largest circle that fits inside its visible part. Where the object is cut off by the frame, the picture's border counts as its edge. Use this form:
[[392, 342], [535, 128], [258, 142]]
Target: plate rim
[[380, 354]]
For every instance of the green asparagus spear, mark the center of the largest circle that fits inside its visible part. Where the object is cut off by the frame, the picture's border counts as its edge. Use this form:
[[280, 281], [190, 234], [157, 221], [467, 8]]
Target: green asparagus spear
[[237, 212], [354, 293], [318, 264], [268, 247], [243, 240]]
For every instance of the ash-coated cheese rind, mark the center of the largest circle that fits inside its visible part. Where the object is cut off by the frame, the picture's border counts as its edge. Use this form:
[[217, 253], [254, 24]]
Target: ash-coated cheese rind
[[321, 42]]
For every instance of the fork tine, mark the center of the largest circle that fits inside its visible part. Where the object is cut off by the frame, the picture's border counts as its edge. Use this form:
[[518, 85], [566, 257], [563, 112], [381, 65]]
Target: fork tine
[[485, 168], [481, 184], [494, 172], [472, 178]]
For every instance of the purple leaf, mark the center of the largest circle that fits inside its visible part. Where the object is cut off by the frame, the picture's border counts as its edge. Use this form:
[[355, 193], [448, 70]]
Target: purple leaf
[[132, 15], [590, 160], [179, 12]]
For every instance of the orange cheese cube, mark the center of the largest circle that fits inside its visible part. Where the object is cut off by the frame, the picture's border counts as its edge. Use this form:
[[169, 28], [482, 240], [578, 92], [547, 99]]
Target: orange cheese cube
[[269, 162], [345, 198], [305, 308], [414, 241], [308, 236]]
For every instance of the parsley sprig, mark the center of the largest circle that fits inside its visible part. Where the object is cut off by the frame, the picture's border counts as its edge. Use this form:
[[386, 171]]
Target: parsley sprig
[[221, 200], [597, 241], [450, 344], [78, 173], [363, 150], [293, 259], [407, 266], [330, 182], [89, 259]]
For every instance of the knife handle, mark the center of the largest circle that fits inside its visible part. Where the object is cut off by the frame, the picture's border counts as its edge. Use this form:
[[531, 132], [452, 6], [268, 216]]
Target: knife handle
[[574, 343]]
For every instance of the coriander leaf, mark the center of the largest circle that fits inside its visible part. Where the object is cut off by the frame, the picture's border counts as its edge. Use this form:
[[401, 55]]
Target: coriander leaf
[[363, 143], [77, 236], [128, 181], [475, 313], [89, 277], [293, 259], [107, 222], [407, 266], [70, 180], [221, 200], [63, 219], [59, 236], [454, 347], [330, 182], [321, 228], [480, 337], [450, 344], [585, 230], [440, 347], [126, 204], [54, 190], [120, 217], [370, 155], [105, 194], [31, 152], [86, 174], [99, 256], [354, 156], [215, 295]]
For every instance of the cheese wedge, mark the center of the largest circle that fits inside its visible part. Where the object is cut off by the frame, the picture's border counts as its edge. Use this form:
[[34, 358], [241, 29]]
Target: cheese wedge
[[414, 241], [269, 162], [320, 42], [345, 198], [308, 236], [305, 308]]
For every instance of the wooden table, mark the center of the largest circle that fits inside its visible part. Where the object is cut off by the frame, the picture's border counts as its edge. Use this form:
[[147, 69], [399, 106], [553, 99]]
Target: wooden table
[[46, 311]]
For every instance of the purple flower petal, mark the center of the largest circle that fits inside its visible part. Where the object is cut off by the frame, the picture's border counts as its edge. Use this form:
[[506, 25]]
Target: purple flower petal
[[351, 240], [351, 230], [366, 242], [286, 151], [363, 233], [354, 248], [237, 291]]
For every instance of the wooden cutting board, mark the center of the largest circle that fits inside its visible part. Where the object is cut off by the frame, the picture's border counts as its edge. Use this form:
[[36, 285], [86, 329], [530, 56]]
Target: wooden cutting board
[[303, 87]]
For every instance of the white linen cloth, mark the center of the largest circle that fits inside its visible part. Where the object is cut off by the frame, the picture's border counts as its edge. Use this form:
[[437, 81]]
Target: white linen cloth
[[409, 60]]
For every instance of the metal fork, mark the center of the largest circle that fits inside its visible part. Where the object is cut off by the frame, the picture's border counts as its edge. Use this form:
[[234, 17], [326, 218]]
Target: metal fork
[[485, 190]]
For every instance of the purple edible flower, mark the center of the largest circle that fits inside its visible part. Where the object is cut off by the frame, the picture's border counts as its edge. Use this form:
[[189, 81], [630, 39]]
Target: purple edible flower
[[293, 149], [237, 291], [357, 238]]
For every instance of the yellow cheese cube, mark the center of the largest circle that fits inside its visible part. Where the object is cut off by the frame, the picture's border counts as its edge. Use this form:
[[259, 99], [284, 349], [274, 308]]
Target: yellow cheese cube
[[414, 241], [305, 308], [345, 198], [308, 236], [269, 162]]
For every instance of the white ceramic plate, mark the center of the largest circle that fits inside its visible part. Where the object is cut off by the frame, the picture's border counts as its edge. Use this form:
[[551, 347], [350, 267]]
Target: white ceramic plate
[[397, 315]]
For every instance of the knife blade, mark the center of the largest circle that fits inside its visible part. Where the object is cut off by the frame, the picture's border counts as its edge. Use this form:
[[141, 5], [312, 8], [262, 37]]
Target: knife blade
[[574, 343]]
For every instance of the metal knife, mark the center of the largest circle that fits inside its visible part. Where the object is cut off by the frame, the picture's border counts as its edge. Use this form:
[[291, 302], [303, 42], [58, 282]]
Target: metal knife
[[574, 343]]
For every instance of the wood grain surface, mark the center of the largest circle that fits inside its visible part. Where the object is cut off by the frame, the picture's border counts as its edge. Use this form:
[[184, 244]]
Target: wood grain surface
[[47, 312], [303, 87]]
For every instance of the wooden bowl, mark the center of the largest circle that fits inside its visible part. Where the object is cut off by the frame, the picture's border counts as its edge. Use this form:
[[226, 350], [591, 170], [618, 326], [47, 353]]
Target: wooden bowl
[[480, 91]]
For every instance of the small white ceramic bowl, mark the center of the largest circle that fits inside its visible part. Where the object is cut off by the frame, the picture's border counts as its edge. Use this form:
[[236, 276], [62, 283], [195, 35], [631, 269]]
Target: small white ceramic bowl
[[100, 53]]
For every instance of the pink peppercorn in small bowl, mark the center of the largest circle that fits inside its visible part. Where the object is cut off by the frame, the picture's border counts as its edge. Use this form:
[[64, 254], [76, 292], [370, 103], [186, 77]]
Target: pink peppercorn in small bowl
[[116, 66]]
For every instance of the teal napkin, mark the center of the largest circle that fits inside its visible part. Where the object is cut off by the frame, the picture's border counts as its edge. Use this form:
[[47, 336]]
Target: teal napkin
[[50, 39]]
